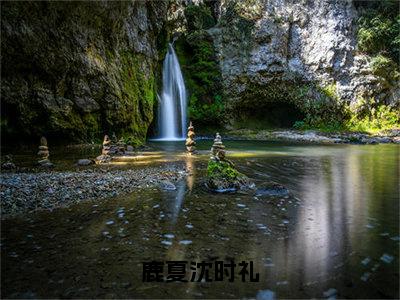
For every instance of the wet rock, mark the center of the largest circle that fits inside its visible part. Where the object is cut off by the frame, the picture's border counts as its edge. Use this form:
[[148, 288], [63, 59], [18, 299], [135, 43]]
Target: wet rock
[[84, 162], [185, 242], [222, 175], [167, 185], [8, 163], [330, 293], [272, 189], [121, 146], [366, 261], [166, 243], [365, 276], [265, 295], [129, 148], [387, 258]]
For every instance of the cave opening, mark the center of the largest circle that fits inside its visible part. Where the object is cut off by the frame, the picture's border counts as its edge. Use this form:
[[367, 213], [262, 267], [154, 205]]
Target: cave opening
[[270, 115]]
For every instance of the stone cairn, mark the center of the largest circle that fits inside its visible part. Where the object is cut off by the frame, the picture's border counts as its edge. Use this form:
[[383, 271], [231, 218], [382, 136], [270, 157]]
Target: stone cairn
[[190, 142], [218, 149], [121, 146], [110, 147], [106, 146], [44, 153], [105, 151]]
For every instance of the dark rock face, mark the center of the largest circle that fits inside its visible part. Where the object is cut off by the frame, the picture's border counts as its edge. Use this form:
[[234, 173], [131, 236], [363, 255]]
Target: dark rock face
[[76, 69]]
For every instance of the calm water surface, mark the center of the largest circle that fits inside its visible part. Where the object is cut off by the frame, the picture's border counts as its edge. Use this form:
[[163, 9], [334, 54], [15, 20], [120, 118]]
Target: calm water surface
[[338, 229]]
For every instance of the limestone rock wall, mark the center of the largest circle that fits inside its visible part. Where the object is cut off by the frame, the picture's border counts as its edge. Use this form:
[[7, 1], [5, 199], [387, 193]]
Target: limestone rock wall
[[270, 42]]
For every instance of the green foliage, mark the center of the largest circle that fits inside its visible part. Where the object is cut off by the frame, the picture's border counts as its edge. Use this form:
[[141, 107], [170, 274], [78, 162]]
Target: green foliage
[[379, 29], [137, 95], [369, 116], [299, 125], [317, 106], [221, 170], [198, 17], [133, 141], [366, 116], [385, 67], [200, 67], [382, 118], [206, 112]]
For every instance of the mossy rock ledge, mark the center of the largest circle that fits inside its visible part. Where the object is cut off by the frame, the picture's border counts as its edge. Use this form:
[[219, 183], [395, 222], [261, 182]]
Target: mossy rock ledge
[[222, 177]]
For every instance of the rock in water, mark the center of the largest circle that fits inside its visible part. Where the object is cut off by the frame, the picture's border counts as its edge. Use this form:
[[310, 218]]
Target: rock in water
[[8, 163], [167, 185], [265, 295], [221, 173], [190, 142], [272, 190], [84, 162], [44, 154]]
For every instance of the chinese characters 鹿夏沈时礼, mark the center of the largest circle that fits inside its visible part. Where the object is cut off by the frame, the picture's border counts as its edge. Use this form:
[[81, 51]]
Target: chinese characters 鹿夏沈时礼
[[183, 271]]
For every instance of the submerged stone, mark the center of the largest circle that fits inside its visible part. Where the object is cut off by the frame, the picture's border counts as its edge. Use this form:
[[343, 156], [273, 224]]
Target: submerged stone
[[387, 258], [185, 242], [167, 185], [272, 189], [265, 295], [166, 243], [84, 162], [8, 163], [330, 293]]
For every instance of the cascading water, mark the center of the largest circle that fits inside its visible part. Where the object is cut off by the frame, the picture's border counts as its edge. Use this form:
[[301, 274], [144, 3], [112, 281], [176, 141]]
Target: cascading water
[[173, 103]]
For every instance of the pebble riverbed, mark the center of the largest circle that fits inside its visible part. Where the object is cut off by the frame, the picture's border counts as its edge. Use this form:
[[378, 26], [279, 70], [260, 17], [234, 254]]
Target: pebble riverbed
[[24, 192]]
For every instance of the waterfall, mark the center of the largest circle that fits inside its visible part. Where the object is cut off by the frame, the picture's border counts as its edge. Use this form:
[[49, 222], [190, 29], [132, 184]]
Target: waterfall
[[173, 103]]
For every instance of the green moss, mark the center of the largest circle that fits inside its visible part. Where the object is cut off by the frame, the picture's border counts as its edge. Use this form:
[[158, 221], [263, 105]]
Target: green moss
[[198, 17], [132, 141], [137, 95], [200, 68], [222, 170]]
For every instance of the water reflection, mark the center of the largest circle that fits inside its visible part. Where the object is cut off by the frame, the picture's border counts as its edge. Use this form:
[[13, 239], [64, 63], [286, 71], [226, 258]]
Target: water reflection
[[340, 219]]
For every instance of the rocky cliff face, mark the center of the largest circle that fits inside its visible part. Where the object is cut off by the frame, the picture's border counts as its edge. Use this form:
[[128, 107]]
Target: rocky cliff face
[[79, 69], [270, 50]]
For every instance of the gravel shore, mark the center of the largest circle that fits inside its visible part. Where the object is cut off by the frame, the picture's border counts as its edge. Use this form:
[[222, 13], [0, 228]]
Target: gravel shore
[[23, 192]]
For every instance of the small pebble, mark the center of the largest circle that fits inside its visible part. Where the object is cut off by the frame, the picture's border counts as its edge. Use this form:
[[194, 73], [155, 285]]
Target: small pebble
[[387, 258]]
